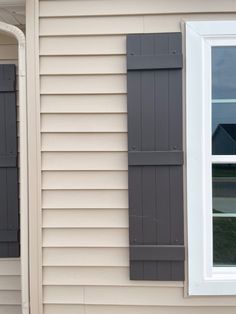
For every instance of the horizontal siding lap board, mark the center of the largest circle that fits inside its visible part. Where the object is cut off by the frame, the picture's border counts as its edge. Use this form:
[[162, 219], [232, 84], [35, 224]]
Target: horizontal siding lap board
[[83, 122], [86, 257], [83, 84], [130, 7], [117, 309], [84, 142], [115, 103], [83, 45], [118, 25], [83, 65], [10, 309], [90, 25], [9, 267], [10, 298], [84, 161], [131, 295], [85, 199], [63, 180], [78, 237], [85, 218], [10, 283]]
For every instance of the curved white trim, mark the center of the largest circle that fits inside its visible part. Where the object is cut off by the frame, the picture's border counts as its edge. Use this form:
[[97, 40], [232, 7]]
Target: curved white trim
[[19, 35]]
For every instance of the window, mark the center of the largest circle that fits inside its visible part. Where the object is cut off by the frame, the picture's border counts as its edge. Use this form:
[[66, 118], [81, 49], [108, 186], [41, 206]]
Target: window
[[211, 156]]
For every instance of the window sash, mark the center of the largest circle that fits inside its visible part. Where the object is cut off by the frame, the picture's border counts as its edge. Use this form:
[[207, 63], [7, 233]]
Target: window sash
[[223, 159]]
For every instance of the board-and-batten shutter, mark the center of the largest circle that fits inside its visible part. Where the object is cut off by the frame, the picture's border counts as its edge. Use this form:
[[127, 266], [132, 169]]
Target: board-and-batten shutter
[[9, 215], [154, 87]]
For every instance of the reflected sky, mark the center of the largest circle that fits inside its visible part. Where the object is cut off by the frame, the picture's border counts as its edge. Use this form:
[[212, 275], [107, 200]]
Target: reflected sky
[[224, 72], [223, 85]]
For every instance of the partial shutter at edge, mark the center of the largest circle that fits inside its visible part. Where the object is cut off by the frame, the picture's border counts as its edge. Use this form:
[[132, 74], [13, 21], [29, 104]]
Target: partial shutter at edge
[[9, 194], [155, 155]]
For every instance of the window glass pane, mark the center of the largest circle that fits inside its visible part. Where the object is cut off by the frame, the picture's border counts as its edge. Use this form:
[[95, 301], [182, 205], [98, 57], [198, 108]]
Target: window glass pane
[[224, 100], [224, 72], [224, 241], [224, 188]]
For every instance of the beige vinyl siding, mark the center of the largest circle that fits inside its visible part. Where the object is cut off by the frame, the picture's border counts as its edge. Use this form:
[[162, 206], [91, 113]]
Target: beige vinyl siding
[[10, 286], [10, 296], [84, 156]]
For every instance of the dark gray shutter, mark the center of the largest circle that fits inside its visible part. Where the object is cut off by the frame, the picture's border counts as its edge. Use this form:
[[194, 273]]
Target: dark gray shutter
[[9, 216], [154, 64]]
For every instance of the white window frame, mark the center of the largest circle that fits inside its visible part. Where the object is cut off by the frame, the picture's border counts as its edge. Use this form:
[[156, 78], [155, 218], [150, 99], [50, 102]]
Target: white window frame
[[203, 278]]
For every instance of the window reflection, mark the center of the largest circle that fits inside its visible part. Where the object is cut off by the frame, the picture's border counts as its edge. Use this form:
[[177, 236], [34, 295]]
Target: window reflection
[[224, 100], [224, 241], [224, 139], [224, 72], [224, 188]]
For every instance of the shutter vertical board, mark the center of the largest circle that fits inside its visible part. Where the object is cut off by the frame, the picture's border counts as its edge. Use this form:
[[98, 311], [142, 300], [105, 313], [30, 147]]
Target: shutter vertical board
[[135, 173], [154, 87], [135, 197], [9, 195]]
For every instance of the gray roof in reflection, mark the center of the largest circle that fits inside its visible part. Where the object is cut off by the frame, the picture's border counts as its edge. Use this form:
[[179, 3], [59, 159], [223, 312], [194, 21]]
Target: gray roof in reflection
[[230, 128]]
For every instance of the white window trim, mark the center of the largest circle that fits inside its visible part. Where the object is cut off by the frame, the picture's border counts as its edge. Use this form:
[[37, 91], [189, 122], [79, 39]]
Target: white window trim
[[203, 278]]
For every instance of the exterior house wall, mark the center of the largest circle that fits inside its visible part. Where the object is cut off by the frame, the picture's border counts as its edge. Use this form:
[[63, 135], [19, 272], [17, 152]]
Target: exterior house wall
[[82, 65], [10, 296]]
